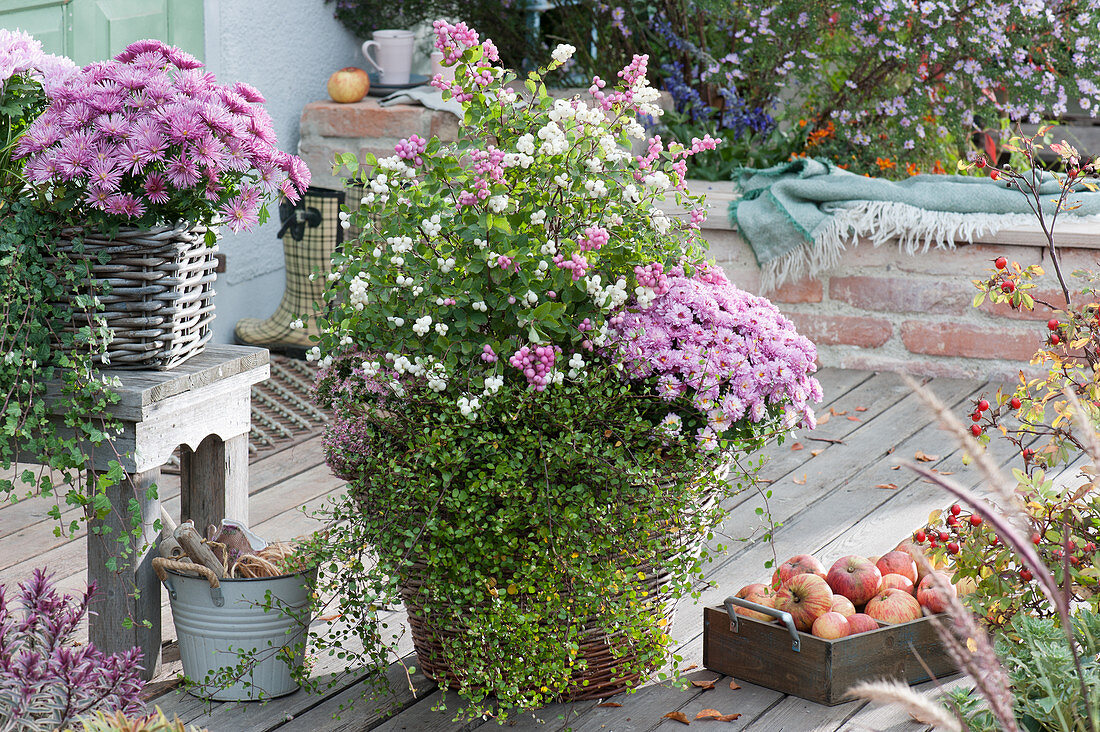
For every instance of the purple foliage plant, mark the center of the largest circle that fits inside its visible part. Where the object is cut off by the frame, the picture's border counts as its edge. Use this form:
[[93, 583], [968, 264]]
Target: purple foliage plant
[[46, 679]]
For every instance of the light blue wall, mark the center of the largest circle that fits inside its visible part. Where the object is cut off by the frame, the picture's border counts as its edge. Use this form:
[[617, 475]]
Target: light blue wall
[[287, 49]]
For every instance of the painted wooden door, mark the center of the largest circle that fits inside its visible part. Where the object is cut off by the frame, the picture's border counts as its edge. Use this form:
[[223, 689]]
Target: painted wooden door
[[93, 30]]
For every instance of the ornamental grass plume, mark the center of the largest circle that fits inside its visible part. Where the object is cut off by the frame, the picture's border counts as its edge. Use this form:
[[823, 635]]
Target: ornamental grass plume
[[47, 681], [151, 138]]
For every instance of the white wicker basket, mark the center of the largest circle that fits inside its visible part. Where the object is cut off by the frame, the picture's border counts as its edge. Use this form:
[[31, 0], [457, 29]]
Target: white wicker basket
[[161, 297]]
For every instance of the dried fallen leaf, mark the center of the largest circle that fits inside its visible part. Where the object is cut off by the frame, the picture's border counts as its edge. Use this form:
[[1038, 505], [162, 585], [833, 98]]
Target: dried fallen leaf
[[854, 419], [733, 685], [330, 617], [728, 718], [609, 704], [689, 668], [678, 716], [888, 486], [861, 409], [944, 472], [708, 714], [797, 446], [796, 481], [832, 411], [704, 685], [815, 453], [823, 418], [896, 467], [925, 457]]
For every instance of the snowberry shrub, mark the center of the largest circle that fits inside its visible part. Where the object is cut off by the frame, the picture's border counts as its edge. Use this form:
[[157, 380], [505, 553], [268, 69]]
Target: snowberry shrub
[[531, 366]]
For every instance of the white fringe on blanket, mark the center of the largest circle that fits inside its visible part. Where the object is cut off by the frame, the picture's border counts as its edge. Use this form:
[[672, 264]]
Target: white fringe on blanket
[[916, 229]]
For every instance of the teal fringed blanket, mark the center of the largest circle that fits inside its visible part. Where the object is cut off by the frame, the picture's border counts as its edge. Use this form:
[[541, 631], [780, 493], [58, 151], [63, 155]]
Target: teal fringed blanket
[[799, 216]]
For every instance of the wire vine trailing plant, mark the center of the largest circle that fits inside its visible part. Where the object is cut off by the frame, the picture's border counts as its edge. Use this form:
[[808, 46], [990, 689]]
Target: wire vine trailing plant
[[47, 680], [538, 380]]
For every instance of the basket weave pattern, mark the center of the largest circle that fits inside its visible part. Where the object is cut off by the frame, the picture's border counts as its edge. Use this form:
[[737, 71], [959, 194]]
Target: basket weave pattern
[[161, 298], [604, 652]]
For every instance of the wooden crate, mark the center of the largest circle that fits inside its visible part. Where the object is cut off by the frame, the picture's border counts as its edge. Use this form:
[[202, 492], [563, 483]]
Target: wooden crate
[[822, 670]]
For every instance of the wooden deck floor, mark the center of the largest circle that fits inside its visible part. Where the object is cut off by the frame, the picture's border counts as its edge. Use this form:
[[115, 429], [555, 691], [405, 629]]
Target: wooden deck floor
[[827, 495]]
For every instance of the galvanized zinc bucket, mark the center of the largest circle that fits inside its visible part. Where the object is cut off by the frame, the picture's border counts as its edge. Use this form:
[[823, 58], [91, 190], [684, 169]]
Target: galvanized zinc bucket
[[219, 622]]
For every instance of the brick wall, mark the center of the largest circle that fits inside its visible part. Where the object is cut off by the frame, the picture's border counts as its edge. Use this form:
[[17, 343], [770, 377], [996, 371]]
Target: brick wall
[[879, 310]]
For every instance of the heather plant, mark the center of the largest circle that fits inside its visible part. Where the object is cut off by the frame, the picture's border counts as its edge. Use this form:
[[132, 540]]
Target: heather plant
[[538, 381], [119, 722], [150, 138], [47, 680]]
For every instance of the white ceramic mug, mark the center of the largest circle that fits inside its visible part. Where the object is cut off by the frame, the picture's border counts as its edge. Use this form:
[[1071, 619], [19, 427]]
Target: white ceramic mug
[[393, 55]]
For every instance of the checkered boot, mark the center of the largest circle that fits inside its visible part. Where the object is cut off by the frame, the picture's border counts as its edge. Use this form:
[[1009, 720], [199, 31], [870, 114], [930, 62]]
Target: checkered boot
[[311, 233]]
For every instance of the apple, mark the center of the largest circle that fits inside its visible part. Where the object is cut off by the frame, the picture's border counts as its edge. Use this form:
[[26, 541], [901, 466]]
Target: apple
[[898, 582], [855, 577], [893, 606], [861, 623], [916, 551], [806, 597], [898, 562], [348, 85], [831, 625], [842, 605], [759, 593], [966, 586], [931, 596], [800, 564]]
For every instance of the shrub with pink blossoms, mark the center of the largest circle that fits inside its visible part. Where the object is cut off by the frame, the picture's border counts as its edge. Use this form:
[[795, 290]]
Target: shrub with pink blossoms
[[719, 356], [151, 138]]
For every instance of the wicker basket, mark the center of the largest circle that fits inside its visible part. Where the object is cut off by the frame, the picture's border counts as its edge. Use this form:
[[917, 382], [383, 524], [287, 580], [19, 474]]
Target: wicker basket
[[161, 297], [604, 652]]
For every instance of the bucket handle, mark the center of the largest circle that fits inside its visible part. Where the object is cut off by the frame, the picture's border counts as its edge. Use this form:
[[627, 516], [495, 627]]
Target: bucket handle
[[160, 564]]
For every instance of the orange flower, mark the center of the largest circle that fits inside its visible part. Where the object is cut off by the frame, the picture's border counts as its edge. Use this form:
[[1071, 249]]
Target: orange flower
[[885, 163], [912, 169], [801, 123], [938, 168]]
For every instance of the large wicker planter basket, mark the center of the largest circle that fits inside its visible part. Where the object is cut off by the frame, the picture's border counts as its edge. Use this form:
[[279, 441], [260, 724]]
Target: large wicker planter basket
[[161, 298], [604, 652]]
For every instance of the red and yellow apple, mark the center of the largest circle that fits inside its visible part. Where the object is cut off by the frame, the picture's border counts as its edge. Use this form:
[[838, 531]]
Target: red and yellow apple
[[893, 606], [915, 551], [861, 623], [348, 85], [796, 565], [898, 562], [761, 594], [830, 626], [806, 597], [898, 582], [931, 596], [855, 577], [842, 605]]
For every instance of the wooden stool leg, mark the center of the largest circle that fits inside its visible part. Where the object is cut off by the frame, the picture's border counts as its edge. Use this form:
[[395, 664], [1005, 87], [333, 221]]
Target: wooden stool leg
[[130, 590], [214, 481]]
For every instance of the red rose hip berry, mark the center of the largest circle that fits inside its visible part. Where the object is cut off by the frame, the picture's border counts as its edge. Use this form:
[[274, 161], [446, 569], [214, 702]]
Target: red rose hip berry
[[983, 405], [1015, 403], [975, 430], [1001, 263], [952, 548], [1054, 339], [956, 509], [975, 520], [1025, 575], [1053, 324], [920, 536], [1008, 286]]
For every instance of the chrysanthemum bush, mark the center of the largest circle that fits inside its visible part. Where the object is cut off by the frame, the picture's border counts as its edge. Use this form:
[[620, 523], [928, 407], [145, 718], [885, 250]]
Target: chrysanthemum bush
[[536, 377], [151, 138]]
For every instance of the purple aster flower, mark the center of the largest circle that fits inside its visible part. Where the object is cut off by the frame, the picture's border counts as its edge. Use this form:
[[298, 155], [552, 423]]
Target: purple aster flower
[[238, 215], [156, 190], [182, 173]]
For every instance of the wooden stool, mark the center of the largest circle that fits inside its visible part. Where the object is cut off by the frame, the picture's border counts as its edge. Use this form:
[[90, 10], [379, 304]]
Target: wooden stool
[[204, 407]]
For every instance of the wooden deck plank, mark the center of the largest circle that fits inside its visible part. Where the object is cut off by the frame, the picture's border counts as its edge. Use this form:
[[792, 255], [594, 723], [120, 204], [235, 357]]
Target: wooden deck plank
[[836, 510], [877, 718]]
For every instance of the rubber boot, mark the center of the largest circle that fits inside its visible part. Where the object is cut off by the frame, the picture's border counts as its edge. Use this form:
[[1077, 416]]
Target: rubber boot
[[310, 232]]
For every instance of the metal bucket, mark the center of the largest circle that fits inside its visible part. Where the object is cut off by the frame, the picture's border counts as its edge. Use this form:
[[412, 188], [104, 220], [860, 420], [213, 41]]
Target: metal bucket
[[219, 622]]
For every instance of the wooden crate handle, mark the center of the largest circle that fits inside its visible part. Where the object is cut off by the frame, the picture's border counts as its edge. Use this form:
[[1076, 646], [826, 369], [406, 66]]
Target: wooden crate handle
[[784, 617]]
